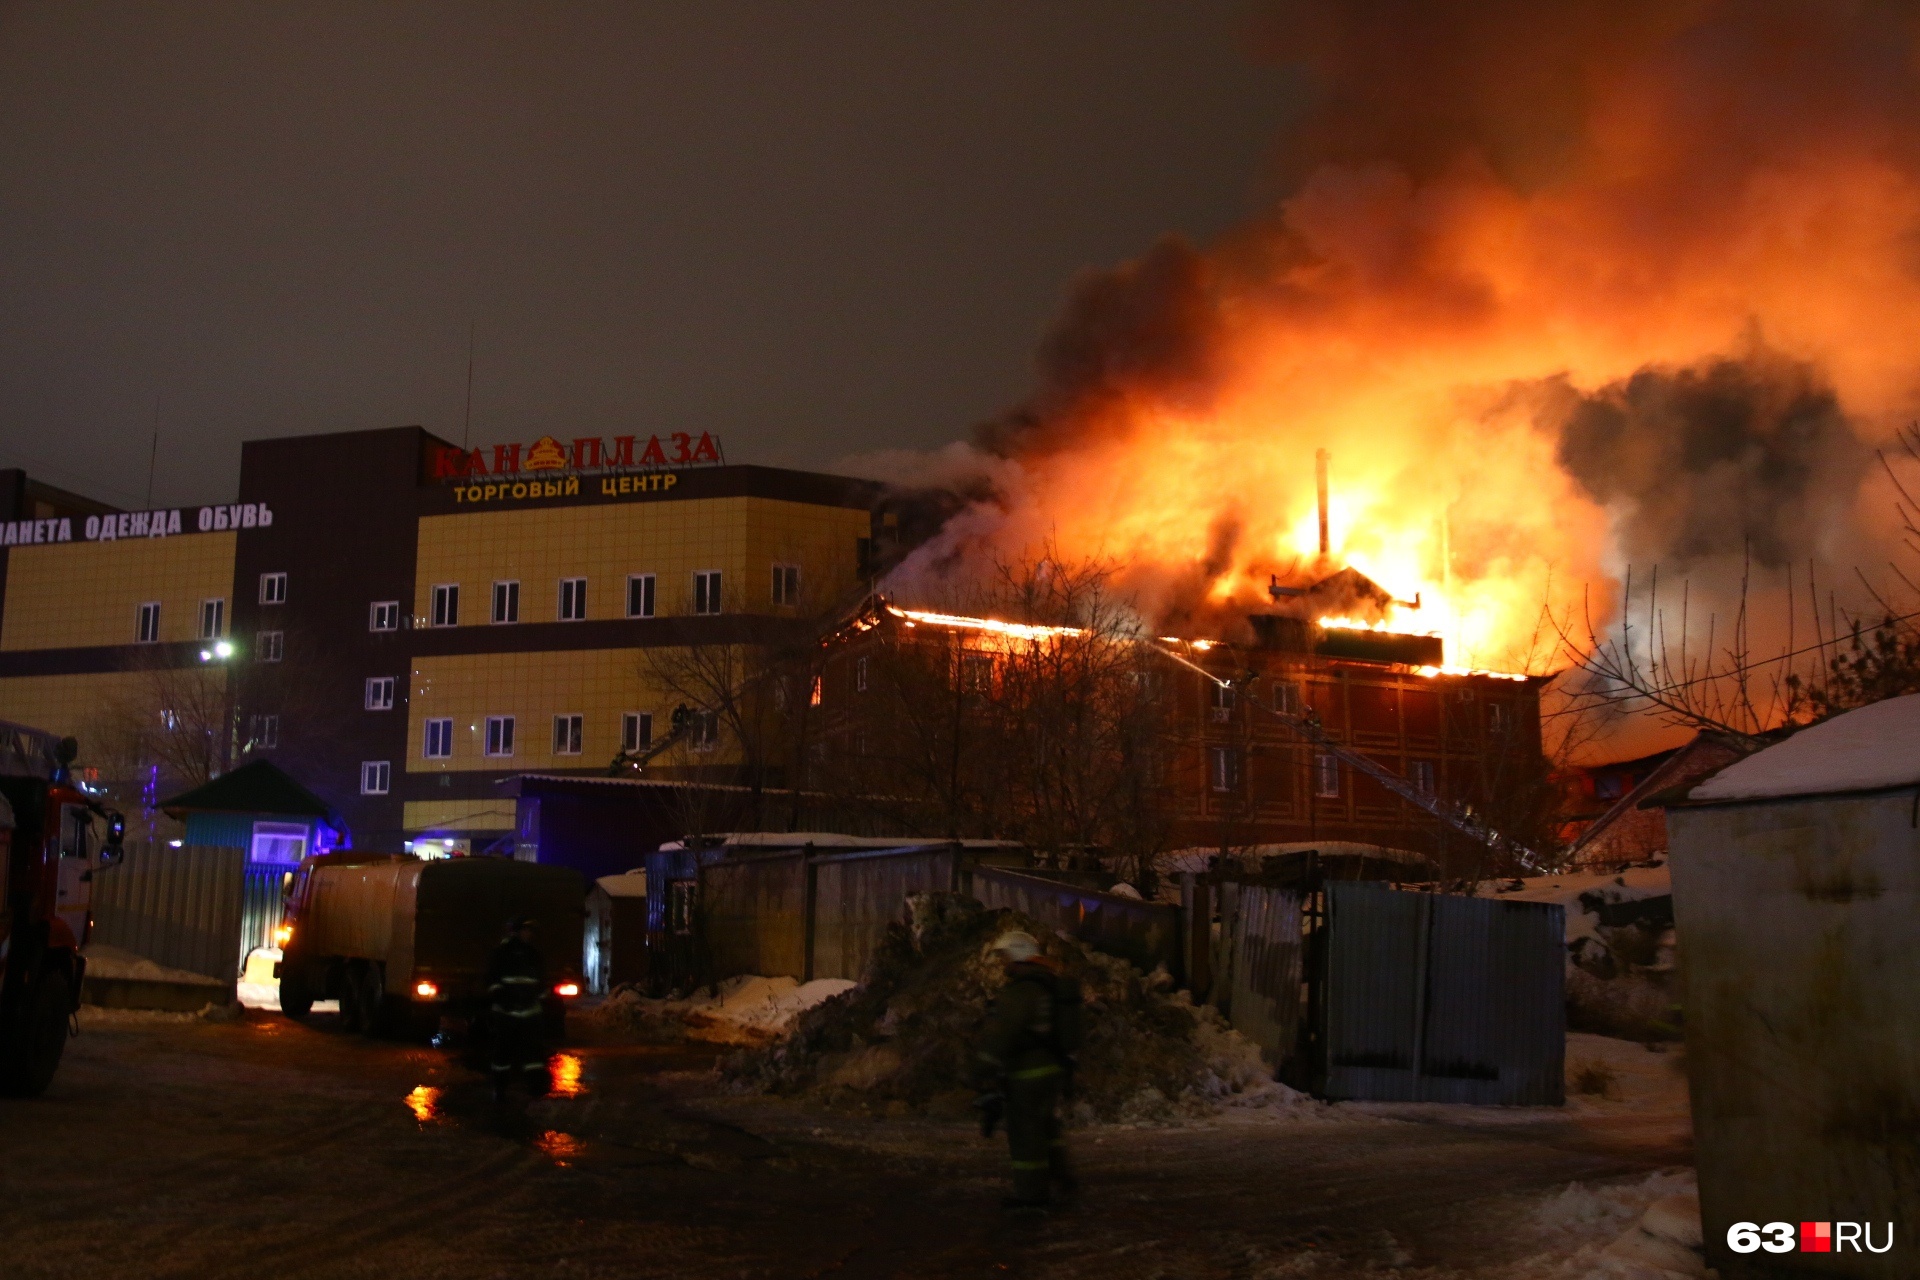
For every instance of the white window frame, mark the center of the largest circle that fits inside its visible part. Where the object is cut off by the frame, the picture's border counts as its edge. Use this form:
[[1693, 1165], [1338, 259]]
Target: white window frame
[[213, 610], [636, 731], [263, 731], [376, 777], [273, 588], [441, 728], [1286, 698], [646, 584], [380, 692], [860, 674], [568, 733], [269, 646], [277, 837], [706, 730], [1424, 776], [1223, 769], [444, 603], [1219, 702], [146, 622], [1498, 716], [574, 610], [786, 583], [391, 608], [499, 740], [506, 592], [706, 593], [1326, 776]]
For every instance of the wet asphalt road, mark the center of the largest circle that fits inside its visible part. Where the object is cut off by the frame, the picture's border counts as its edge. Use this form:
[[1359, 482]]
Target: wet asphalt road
[[265, 1148]]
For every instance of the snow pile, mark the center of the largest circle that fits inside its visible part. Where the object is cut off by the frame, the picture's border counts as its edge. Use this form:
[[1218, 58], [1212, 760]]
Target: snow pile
[[1649, 1230], [113, 962], [905, 1038], [740, 1011]]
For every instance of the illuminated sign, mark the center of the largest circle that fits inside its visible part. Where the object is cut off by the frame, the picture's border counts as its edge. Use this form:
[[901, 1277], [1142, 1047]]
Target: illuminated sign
[[164, 523], [563, 487], [587, 453]]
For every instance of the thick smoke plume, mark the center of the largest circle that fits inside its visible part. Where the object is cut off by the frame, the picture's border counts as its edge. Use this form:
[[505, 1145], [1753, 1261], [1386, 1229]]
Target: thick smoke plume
[[1560, 288]]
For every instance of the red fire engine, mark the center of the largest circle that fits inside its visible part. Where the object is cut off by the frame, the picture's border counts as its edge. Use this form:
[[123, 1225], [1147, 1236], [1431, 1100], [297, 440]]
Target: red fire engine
[[53, 836]]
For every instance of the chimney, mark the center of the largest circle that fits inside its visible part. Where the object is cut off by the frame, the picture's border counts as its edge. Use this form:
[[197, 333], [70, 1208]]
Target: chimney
[[1320, 479]]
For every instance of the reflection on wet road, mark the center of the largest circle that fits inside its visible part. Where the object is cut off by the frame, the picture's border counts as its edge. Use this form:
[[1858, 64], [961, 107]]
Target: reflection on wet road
[[424, 1102], [561, 1148], [565, 1069]]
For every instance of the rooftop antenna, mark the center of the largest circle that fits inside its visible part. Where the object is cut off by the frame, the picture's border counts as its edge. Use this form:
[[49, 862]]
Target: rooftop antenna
[[466, 425], [153, 454], [1320, 480]]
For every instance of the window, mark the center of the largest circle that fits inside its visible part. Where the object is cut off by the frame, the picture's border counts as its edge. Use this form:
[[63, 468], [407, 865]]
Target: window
[[499, 735], [1496, 717], [380, 693], [375, 777], [1219, 702], [976, 673], [1326, 776], [506, 602], [446, 605], [640, 595], [1286, 698], [573, 599], [1422, 771], [439, 739], [706, 730], [706, 591], [146, 623], [813, 699], [680, 906], [213, 619], [273, 588], [786, 584], [566, 735], [860, 674], [1223, 768], [269, 646], [263, 732], [282, 842], [636, 731], [383, 615]]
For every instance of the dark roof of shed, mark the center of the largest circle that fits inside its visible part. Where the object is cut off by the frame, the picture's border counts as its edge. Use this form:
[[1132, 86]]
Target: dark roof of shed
[[259, 786]]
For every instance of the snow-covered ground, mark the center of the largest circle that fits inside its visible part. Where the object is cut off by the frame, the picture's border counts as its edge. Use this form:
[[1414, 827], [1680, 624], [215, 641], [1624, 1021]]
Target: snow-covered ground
[[743, 1010]]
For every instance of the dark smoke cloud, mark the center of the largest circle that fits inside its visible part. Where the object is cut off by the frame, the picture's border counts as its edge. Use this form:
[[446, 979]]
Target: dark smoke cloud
[[1709, 461], [1147, 329]]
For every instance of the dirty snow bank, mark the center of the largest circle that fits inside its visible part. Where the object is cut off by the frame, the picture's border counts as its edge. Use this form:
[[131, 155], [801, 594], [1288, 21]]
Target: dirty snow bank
[[740, 1011], [904, 1040], [1620, 946], [113, 962]]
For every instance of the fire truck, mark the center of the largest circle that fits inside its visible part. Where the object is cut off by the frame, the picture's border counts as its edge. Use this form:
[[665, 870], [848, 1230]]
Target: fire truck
[[53, 837]]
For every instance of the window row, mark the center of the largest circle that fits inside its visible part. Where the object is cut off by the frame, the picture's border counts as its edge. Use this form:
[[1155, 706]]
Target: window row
[[501, 732], [443, 608], [146, 621], [1223, 773]]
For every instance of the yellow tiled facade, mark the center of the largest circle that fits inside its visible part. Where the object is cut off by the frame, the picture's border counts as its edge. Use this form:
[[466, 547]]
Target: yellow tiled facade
[[743, 538], [599, 685], [84, 594], [80, 706], [459, 815]]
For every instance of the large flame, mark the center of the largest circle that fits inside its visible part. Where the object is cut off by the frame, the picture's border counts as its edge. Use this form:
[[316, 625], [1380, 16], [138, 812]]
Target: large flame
[[1740, 190]]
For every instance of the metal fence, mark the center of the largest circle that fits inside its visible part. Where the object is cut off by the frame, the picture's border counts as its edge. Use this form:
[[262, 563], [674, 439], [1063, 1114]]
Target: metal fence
[[855, 896], [1264, 996], [1434, 998], [1145, 933], [177, 907], [263, 905]]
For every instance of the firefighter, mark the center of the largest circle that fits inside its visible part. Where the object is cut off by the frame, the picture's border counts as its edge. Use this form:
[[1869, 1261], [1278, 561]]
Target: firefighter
[[516, 979], [1032, 1034]]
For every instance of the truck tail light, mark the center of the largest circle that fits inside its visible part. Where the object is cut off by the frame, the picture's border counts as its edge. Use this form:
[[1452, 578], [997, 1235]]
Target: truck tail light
[[567, 990], [426, 990]]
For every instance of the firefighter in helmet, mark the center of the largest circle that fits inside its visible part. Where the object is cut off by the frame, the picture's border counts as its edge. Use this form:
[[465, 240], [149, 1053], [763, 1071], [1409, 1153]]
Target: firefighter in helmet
[[1032, 1035], [516, 979]]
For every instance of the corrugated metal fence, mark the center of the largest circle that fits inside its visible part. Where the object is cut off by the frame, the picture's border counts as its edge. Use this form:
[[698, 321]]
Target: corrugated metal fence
[[1433, 998], [1145, 933], [178, 907], [856, 895], [1263, 976], [263, 904]]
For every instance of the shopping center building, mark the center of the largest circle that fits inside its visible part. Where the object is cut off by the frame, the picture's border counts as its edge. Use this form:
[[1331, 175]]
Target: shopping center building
[[401, 622]]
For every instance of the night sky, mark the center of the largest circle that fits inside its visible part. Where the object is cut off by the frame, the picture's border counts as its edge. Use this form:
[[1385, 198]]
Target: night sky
[[817, 229]]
